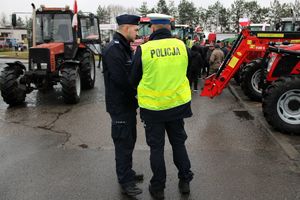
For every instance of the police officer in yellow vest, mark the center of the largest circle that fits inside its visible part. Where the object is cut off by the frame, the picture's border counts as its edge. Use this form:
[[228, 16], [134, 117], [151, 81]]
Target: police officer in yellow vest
[[159, 74]]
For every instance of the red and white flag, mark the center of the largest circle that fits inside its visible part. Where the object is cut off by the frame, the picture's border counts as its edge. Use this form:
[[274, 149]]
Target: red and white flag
[[244, 21], [74, 20]]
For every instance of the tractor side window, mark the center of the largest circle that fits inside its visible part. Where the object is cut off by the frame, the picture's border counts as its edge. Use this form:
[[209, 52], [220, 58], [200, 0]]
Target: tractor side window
[[89, 30], [144, 30], [287, 26]]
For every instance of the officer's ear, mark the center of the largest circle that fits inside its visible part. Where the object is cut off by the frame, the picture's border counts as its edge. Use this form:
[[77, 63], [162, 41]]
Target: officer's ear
[[152, 28], [169, 27]]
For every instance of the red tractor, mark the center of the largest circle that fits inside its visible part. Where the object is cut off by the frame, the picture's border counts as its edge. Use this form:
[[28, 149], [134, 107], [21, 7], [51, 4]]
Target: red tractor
[[64, 45], [281, 88], [285, 74]]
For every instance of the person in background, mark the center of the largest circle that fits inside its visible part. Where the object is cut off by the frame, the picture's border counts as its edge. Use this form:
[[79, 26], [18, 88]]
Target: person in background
[[216, 58], [121, 103], [211, 48], [223, 48], [189, 42], [196, 66]]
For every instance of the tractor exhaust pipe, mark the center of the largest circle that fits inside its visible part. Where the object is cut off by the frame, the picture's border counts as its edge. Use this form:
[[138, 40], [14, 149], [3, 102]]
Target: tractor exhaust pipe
[[33, 26]]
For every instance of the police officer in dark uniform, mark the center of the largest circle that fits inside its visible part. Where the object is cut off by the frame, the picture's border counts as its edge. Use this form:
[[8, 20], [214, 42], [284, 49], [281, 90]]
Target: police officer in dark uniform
[[159, 73], [121, 103]]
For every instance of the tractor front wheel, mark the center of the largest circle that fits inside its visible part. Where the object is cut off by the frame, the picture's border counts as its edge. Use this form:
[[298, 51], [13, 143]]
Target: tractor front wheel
[[12, 91], [250, 78], [281, 104], [71, 84]]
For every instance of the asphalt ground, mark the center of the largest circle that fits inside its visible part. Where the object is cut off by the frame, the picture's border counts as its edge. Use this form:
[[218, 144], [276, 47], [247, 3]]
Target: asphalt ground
[[49, 150], [289, 143]]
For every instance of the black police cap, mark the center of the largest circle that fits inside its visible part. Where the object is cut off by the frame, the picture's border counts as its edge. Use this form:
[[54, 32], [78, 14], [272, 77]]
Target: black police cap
[[128, 19]]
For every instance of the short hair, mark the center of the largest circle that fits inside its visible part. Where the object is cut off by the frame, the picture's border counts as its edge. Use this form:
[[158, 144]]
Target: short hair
[[161, 26]]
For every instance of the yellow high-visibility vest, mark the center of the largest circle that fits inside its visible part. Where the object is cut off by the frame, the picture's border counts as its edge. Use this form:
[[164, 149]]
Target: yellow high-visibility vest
[[164, 84], [189, 43]]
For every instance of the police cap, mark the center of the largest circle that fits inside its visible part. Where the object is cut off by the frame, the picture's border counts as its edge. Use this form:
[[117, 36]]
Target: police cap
[[156, 18], [128, 19]]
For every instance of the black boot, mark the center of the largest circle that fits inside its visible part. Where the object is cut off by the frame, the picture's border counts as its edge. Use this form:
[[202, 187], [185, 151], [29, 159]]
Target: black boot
[[131, 189], [157, 194], [184, 187]]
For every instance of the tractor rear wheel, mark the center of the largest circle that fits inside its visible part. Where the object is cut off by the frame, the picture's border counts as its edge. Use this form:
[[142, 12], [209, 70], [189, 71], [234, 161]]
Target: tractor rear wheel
[[71, 84], [87, 69], [250, 78], [281, 104], [12, 91]]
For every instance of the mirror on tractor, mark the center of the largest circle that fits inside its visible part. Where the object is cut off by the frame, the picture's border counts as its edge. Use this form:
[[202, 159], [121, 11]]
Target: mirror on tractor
[[14, 20]]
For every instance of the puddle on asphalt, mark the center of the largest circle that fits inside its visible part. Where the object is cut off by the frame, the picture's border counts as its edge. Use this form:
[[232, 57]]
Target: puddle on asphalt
[[243, 114], [84, 146]]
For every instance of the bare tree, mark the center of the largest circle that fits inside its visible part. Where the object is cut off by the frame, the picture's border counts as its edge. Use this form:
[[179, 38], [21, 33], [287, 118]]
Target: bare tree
[[3, 19], [131, 11], [115, 10]]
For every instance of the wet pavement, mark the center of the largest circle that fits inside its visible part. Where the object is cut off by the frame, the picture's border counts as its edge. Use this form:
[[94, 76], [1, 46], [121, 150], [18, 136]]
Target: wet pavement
[[49, 150], [289, 142]]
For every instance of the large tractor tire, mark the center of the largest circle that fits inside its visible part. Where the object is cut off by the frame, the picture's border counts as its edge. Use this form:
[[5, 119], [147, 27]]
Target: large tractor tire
[[87, 69], [281, 104], [12, 91], [71, 84], [250, 78]]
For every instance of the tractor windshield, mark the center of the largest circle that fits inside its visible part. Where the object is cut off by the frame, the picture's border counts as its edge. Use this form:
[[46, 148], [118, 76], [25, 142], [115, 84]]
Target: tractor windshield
[[54, 28]]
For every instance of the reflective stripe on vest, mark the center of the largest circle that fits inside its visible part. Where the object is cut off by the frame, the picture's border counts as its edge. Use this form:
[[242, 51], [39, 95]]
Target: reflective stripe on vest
[[164, 84]]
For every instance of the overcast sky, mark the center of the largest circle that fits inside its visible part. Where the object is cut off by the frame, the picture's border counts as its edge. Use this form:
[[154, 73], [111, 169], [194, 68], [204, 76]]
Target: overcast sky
[[9, 6]]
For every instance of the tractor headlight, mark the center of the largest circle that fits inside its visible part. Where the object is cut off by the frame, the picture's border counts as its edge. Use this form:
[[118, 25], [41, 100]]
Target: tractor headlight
[[34, 66], [43, 65], [270, 63]]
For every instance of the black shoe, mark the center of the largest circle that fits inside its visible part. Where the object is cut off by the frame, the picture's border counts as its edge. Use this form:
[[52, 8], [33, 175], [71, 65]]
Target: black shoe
[[157, 194], [184, 187], [138, 177], [131, 190]]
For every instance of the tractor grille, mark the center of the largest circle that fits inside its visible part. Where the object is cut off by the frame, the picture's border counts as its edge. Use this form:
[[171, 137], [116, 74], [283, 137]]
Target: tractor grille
[[39, 55], [285, 66]]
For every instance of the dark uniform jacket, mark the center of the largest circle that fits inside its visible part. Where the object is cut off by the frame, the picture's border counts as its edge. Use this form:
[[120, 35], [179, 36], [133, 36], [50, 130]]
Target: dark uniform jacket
[[178, 112], [119, 93]]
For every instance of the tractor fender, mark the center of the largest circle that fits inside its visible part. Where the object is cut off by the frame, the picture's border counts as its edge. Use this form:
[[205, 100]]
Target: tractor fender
[[16, 64], [69, 63]]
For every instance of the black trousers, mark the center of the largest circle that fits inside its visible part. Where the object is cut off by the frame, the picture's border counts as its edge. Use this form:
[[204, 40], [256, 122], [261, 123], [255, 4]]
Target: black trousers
[[155, 136], [123, 132]]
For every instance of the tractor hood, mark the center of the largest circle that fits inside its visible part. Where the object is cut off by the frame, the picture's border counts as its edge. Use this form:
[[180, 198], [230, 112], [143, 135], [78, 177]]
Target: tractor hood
[[46, 53], [55, 48]]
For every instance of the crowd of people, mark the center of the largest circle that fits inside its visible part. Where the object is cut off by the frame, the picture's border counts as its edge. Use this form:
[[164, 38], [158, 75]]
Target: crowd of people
[[206, 59]]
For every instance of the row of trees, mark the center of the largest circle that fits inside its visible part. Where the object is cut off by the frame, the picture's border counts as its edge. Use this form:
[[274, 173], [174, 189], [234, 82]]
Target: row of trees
[[215, 18]]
